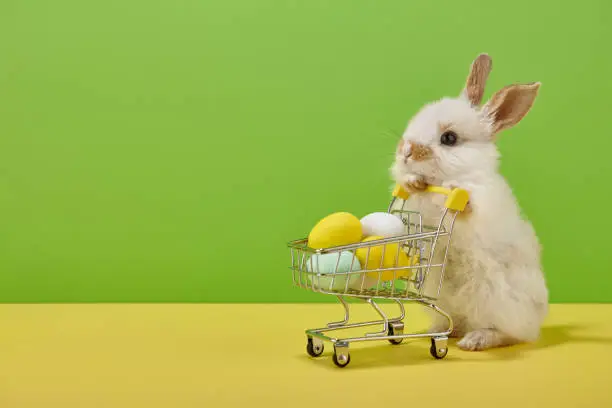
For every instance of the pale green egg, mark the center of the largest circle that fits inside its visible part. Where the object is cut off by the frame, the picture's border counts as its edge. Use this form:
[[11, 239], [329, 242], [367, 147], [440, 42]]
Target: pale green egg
[[329, 271]]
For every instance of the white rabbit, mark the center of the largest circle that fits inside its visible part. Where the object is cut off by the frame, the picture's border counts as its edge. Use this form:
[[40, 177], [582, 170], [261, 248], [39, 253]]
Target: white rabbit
[[494, 286]]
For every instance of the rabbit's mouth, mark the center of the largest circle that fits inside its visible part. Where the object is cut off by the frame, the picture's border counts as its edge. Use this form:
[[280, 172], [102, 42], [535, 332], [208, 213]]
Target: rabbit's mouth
[[424, 169]]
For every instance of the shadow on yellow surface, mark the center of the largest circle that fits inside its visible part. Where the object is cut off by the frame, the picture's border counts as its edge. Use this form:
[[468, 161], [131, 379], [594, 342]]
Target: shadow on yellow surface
[[411, 353]]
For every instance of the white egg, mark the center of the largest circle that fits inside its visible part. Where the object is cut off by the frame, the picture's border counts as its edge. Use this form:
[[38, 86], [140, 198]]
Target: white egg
[[382, 224]]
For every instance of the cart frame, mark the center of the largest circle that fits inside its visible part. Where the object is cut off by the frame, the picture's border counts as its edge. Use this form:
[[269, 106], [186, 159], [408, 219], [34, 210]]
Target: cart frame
[[392, 327]]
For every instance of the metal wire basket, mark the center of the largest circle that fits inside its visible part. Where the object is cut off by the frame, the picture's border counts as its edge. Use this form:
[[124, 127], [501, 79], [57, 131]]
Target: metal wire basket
[[405, 268]]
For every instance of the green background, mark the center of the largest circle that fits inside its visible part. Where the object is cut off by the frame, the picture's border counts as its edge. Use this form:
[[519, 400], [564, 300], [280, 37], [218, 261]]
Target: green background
[[166, 150]]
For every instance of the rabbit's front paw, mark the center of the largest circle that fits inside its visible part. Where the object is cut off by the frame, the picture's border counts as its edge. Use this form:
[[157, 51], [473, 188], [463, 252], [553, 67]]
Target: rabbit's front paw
[[414, 183]]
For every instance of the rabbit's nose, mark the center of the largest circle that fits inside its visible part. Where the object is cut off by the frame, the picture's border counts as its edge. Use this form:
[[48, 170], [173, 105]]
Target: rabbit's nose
[[404, 148], [407, 149], [407, 152], [418, 152]]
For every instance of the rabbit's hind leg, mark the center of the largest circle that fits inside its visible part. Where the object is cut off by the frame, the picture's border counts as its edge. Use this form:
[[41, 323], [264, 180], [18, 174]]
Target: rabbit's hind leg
[[483, 339]]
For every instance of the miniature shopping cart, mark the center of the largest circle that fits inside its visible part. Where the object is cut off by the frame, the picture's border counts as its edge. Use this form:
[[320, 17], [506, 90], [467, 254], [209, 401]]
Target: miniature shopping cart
[[419, 280]]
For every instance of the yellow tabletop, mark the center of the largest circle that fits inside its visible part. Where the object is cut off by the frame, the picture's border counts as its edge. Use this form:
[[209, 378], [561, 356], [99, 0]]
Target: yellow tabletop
[[197, 355]]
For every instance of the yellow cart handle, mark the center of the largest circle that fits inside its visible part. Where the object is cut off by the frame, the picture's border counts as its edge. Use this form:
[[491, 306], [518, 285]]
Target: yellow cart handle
[[456, 198]]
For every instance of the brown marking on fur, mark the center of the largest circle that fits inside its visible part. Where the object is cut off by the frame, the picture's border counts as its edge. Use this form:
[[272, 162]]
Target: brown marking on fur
[[444, 126], [509, 105], [419, 152], [476, 80]]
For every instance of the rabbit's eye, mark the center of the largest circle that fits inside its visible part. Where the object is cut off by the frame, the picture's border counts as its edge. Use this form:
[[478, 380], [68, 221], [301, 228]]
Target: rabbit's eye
[[448, 138]]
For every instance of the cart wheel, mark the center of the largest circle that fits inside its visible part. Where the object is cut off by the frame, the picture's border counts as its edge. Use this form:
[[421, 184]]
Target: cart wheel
[[439, 347], [314, 349], [394, 329], [341, 359], [341, 354]]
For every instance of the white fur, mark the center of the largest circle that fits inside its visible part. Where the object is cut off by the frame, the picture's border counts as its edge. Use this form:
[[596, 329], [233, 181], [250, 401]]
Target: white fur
[[494, 287]]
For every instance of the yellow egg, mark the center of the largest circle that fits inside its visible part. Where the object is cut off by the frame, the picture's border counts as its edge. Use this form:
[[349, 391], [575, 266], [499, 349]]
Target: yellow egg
[[334, 230], [388, 260]]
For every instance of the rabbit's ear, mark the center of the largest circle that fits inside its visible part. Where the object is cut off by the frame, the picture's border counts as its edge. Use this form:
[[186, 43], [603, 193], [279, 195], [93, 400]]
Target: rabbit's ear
[[477, 79], [509, 105]]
